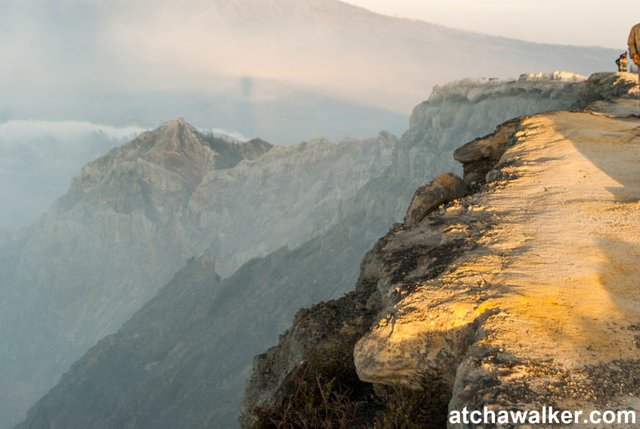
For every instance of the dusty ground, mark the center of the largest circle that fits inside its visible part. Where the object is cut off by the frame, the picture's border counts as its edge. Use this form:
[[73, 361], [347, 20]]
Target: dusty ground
[[546, 308], [569, 274]]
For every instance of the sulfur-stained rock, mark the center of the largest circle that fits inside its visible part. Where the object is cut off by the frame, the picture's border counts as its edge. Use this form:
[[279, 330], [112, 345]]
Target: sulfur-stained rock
[[444, 188]]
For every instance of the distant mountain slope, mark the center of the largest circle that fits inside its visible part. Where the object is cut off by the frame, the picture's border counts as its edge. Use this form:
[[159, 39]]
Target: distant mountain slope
[[145, 355], [347, 213], [248, 65], [181, 361], [131, 219]]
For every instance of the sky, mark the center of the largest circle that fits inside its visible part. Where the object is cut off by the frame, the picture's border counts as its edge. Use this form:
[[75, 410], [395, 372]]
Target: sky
[[574, 22]]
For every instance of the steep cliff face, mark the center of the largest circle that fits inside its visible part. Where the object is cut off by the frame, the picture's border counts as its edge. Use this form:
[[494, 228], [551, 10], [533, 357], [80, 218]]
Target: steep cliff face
[[517, 296], [183, 358], [133, 217], [146, 355], [288, 196], [463, 110]]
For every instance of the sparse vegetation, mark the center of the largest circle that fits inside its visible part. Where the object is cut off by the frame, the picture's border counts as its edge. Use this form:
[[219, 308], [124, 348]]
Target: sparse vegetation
[[325, 393], [423, 408]]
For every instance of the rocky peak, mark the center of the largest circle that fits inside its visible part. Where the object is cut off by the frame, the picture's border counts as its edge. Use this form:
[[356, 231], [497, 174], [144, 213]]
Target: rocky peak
[[179, 148], [178, 128], [170, 159], [174, 135]]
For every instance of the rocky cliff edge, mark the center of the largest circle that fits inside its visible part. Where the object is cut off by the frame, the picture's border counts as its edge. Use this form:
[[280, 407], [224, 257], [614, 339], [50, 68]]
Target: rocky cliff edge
[[514, 287]]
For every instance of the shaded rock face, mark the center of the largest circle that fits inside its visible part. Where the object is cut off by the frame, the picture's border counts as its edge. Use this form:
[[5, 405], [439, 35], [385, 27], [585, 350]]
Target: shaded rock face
[[336, 324], [479, 156], [444, 188], [231, 153], [124, 380], [343, 320], [183, 358]]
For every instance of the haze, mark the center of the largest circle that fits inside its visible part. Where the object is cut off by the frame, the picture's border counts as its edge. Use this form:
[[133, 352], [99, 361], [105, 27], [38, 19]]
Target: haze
[[566, 22], [282, 70]]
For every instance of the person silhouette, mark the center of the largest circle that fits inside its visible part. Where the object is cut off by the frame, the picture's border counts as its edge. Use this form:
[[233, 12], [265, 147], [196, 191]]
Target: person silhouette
[[634, 49]]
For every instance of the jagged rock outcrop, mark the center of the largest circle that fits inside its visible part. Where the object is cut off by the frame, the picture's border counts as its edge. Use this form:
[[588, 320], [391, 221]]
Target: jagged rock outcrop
[[444, 188], [603, 89], [517, 296], [482, 154]]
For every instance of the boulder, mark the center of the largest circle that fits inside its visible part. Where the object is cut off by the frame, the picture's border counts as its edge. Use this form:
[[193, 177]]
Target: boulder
[[444, 188], [479, 156]]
